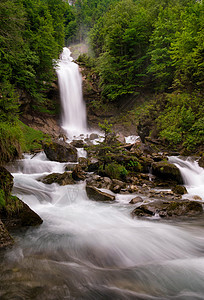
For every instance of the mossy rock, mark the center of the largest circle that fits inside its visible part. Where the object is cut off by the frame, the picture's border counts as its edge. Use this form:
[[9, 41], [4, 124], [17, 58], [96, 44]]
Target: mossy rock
[[179, 189], [6, 181], [61, 179], [60, 151], [167, 171], [16, 214], [201, 161]]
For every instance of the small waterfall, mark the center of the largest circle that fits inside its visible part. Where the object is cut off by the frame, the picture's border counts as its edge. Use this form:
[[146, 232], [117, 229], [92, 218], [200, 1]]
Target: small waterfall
[[192, 174], [70, 85]]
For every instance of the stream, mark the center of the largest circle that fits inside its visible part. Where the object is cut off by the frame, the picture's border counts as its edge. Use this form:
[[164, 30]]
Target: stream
[[91, 250]]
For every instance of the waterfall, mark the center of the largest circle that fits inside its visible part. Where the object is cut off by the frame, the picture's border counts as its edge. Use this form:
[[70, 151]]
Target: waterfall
[[70, 85], [192, 174]]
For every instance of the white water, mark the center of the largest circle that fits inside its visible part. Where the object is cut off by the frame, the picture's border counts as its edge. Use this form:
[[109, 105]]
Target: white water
[[70, 84], [193, 176], [90, 250]]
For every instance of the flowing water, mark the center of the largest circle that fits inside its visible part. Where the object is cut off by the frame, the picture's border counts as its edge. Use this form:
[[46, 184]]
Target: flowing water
[[70, 85], [90, 250]]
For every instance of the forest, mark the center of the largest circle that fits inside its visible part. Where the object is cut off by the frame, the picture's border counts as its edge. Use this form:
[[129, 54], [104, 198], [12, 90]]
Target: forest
[[145, 48]]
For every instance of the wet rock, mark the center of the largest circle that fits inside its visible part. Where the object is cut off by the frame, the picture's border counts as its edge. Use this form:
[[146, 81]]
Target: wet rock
[[167, 195], [95, 194], [93, 164], [61, 179], [179, 189], [5, 238], [99, 181], [201, 161], [77, 143], [196, 197], [83, 162], [117, 185], [93, 136], [169, 209], [78, 173], [16, 214], [6, 181], [60, 151], [167, 171], [136, 200]]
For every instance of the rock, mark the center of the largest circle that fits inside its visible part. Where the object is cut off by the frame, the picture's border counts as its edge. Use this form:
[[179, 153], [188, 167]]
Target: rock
[[60, 151], [167, 171], [77, 143], [16, 214], [6, 181], [136, 200], [93, 164], [83, 162], [196, 197], [95, 194], [99, 181], [169, 209], [201, 161], [5, 238], [61, 179], [93, 136], [78, 173], [179, 189], [117, 185]]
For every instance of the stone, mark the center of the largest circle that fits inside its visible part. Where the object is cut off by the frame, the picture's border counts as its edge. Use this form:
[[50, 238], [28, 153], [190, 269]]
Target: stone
[[93, 164], [97, 195], [169, 209], [196, 197], [167, 171], [201, 161], [93, 136], [78, 143], [5, 238], [62, 179], [99, 181], [60, 151], [6, 181], [117, 185], [179, 189], [136, 200], [78, 173], [16, 214], [83, 162]]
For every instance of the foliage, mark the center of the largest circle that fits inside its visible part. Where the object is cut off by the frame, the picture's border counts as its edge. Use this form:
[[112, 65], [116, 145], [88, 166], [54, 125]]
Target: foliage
[[117, 171]]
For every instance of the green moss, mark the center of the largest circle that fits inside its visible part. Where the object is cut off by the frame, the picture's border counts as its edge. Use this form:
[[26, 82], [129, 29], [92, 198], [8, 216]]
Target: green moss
[[116, 171], [32, 138], [13, 205], [2, 199]]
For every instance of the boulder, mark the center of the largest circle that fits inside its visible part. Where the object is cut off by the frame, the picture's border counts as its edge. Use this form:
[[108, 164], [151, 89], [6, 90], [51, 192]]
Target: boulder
[[179, 189], [5, 238], [99, 181], [77, 143], [60, 151], [169, 209], [6, 181], [93, 136], [83, 162], [136, 200], [93, 164], [95, 194], [78, 173], [167, 171], [62, 179], [201, 161], [16, 214], [117, 185]]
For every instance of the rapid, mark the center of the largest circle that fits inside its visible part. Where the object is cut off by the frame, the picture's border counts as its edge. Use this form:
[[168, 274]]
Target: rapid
[[92, 250]]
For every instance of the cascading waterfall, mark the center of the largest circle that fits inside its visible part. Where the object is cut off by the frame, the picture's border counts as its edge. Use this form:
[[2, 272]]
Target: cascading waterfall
[[192, 174], [70, 85]]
